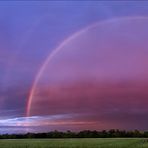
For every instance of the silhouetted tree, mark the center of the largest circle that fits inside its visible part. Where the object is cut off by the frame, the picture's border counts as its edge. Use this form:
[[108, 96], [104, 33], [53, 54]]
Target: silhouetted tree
[[82, 134]]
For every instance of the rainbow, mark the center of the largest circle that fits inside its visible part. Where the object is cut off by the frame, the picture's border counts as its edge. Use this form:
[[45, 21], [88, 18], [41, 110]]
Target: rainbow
[[66, 41]]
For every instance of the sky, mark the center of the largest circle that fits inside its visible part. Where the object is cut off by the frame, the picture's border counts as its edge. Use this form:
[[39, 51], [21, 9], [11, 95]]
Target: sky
[[73, 65]]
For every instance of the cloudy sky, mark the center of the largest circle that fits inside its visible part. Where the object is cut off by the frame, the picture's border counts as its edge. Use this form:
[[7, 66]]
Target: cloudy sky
[[68, 65]]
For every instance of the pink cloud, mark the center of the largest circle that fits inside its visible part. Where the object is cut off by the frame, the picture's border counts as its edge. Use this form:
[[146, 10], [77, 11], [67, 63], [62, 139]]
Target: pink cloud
[[107, 104]]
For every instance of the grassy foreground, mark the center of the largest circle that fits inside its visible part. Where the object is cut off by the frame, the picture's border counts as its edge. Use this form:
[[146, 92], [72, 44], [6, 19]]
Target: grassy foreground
[[75, 143]]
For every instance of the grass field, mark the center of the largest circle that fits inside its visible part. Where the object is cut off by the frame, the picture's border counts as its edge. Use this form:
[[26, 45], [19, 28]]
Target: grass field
[[75, 143]]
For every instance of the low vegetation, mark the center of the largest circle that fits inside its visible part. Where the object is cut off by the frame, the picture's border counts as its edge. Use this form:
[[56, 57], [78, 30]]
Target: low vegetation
[[75, 143]]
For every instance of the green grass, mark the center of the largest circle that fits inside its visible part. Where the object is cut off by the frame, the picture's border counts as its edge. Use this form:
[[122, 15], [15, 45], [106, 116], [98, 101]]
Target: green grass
[[75, 143]]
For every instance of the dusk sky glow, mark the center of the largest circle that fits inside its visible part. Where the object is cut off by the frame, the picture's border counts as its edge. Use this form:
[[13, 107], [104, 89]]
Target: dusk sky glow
[[73, 66]]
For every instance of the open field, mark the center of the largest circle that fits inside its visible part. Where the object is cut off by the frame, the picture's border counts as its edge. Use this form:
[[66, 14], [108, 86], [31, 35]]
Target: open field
[[75, 143]]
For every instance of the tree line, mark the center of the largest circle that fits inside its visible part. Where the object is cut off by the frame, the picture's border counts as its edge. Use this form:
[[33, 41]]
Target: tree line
[[82, 134]]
